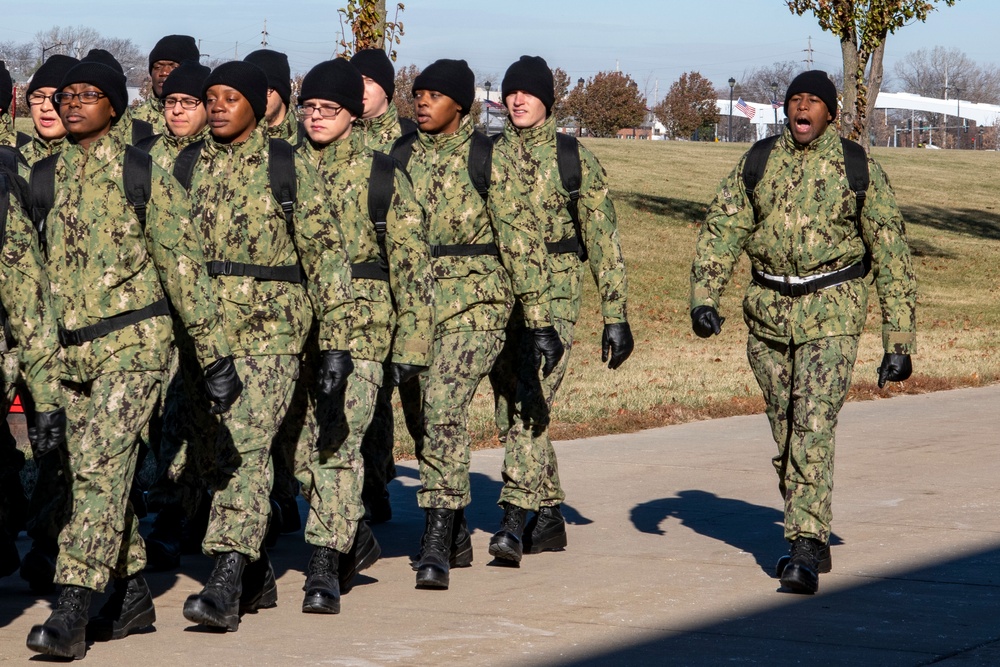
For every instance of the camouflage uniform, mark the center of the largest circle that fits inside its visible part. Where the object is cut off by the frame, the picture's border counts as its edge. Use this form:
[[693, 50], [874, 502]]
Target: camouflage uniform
[[526, 176], [332, 476], [150, 111], [166, 149], [266, 323], [802, 349], [101, 263], [287, 129], [380, 133], [8, 137], [474, 297], [39, 148]]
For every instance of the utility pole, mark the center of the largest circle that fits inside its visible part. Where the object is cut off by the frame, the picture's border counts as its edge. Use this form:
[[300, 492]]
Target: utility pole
[[809, 53], [263, 35]]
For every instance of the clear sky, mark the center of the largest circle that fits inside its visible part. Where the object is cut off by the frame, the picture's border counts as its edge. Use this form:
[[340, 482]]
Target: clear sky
[[653, 40]]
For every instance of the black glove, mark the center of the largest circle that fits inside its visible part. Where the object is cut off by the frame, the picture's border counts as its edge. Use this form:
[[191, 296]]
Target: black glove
[[335, 366], [616, 339], [547, 345], [222, 384], [49, 432], [705, 321], [894, 368], [400, 373]]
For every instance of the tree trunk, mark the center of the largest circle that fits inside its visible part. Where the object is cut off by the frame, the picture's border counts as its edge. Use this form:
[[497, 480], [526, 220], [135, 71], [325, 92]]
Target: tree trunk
[[849, 110], [874, 86]]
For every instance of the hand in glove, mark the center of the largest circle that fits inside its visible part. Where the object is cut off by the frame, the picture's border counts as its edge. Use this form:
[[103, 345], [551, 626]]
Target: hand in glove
[[401, 373], [335, 366], [894, 368], [705, 321], [616, 339], [547, 346], [222, 384], [49, 432]]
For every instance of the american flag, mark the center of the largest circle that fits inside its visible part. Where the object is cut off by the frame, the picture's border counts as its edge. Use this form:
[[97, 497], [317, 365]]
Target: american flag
[[490, 104], [775, 104], [745, 108]]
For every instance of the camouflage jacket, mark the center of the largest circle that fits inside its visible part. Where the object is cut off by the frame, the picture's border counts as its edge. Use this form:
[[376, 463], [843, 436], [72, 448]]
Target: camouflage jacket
[[381, 132], [807, 224], [166, 149], [526, 177], [40, 148], [345, 166], [240, 221], [150, 111], [471, 293], [287, 129], [8, 137], [24, 293], [101, 262]]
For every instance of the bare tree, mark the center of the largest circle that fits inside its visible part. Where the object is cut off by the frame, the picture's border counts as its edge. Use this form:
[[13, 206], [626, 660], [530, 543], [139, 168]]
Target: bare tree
[[941, 72], [403, 97]]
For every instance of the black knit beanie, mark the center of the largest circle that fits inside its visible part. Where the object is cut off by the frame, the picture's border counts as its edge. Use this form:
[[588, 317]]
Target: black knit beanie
[[375, 64], [176, 48], [338, 81], [275, 66], [107, 79], [531, 74], [450, 77], [51, 73], [815, 82], [105, 58], [187, 79], [6, 88], [245, 77]]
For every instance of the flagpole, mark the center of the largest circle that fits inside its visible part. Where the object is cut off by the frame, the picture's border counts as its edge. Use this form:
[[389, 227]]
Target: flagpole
[[732, 82]]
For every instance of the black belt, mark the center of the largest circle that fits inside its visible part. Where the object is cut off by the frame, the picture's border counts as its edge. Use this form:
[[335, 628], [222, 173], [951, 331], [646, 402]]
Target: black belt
[[807, 285], [288, 274], [370, 270], [563, 247], [465, 250], [73, 337]]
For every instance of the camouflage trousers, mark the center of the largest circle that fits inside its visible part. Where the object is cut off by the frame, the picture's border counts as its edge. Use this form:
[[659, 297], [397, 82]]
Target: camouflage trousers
[[804, 388], [378, 442], [331, 468], [242, 474], [106, 417], [298, 428], [461, 361], [523, 404]]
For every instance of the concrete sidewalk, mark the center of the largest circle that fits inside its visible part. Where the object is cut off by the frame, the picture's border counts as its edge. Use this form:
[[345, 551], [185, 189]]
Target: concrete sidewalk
[[675, 533]]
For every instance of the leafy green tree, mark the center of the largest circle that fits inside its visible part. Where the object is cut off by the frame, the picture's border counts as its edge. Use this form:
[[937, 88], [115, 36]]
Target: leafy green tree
[[862, 27], [688, 105]]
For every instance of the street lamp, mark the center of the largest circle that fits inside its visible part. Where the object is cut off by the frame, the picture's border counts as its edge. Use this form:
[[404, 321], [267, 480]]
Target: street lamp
[[48, 48], [774, 101], [958, 117], [488, 85], [732, 83]]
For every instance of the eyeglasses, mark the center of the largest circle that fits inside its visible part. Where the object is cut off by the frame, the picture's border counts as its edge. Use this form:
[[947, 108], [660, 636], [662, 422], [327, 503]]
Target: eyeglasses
[[186, 103], [38, 99], [86, 97], [327, 111]]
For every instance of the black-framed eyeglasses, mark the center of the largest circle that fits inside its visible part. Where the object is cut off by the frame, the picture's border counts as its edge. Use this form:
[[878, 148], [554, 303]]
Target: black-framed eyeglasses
[[38, 99], [86, 97], [188, 103], [325, 110]]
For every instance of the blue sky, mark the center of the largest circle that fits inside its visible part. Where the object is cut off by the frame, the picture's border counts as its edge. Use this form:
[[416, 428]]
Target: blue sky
[[653, 40]]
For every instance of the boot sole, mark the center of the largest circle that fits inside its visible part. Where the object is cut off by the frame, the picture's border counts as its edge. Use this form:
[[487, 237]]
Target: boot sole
[[318, 603], [798, 579], [554, 543], [39, 641], [506, 548], [196, 611], [824, 566]]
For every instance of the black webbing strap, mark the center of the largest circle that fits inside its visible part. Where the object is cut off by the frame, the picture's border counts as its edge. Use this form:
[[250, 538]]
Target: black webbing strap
[[369, 270], [465, 250], [402, 148], [42, 186], [136, 177], [565, 246], [568, 159], [281, 173], [859, 270], [147, 143], [22, 140], [140, 130], [481, 163], [291, 273], [381, 188], [73, 337], [184, 164]]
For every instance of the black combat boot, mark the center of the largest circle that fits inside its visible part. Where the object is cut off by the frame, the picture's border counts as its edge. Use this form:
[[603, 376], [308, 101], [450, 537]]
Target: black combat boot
[[128, 609], [163, 546], [218, 604], [322, 584], [435, 549], [506, 544], [800, 570], [461, 542], [546, 531], [260, 590], [10, 559], [361, 556], [38, 567], [64, 634]]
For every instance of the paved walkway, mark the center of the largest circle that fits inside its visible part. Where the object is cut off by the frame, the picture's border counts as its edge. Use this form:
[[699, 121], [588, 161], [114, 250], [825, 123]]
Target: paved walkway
[[674, 535]]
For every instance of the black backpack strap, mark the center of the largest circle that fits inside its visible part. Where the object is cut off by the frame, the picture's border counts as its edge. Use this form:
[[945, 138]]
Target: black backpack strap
[[137, 177], [281, 173], [402, 149], [381, 188], [754, 165], [407, 125], [568, 159], [11, 158], [856, 166], [42, 190], [140, 130], [185, 162], [481, 163], [22, 140], [146, 143]]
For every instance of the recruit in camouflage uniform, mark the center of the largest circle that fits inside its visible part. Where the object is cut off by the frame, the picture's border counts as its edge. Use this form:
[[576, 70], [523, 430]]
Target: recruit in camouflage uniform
[[167, 54], [802, 348]]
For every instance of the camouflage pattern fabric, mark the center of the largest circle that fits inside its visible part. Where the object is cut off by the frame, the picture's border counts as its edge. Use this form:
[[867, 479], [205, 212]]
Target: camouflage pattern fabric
[[8, 136], [298, 428], [241, 478], [166, 149], [106, 417], [149, 110], [381, 132], [331, 470], [461, 361], [39, 148], [287, 129], [804, 387]]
